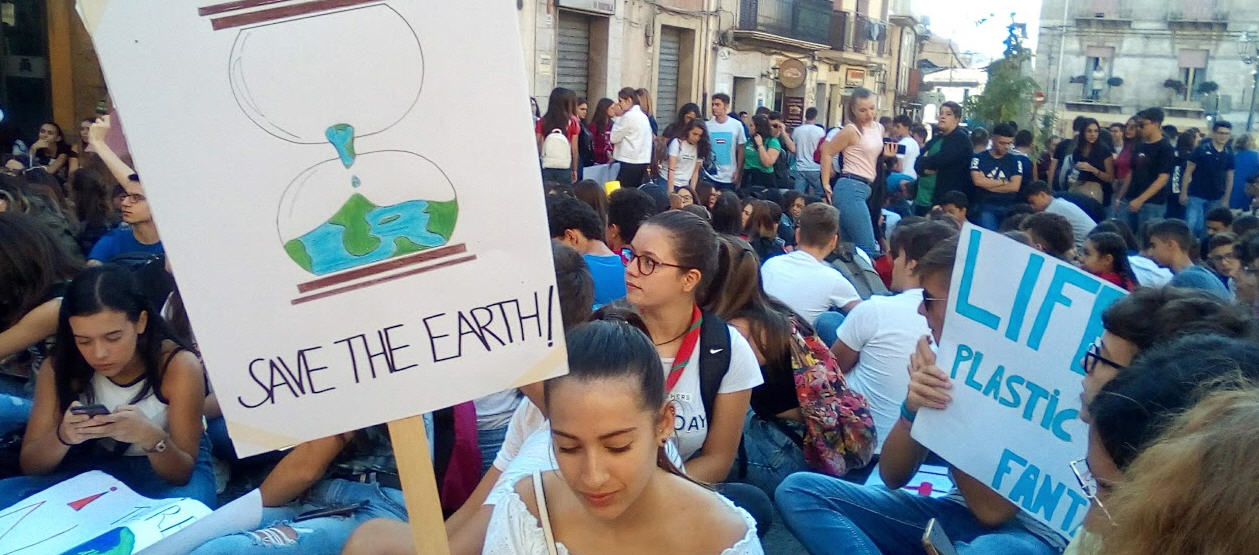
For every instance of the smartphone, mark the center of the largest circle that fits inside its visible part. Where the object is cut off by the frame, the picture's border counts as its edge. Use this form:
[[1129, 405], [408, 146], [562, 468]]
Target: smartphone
[[935, 541], [338, 510], [90, 410]]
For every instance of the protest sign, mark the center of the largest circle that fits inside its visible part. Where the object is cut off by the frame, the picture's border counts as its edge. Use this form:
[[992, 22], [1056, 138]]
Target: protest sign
[[95, 513], [318, 173], [1018, 324]]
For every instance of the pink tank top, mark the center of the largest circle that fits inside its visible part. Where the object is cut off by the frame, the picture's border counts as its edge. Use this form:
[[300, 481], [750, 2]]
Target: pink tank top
[[861, 157]]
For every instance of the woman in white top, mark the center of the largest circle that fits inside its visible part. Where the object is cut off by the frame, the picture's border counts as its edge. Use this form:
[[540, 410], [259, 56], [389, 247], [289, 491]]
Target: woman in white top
[[671, 274], [686, 152], [142, 389], [861, 143], [631, 140], [615, 490]]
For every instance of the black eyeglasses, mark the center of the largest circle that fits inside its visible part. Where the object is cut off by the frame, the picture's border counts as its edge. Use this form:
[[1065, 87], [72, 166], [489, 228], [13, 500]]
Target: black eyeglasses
[[1094, 355], [1218, 258], [133, 197], [647, 265]]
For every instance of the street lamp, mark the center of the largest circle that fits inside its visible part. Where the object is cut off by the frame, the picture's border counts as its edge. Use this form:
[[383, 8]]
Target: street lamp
[[1248, 49]]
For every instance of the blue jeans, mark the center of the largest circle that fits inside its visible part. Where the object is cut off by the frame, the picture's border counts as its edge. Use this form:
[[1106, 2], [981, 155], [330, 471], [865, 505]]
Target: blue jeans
[[489, 442], [1146, 213], [556, 177], [827, 326], [991, 215], [767, 454], [808, 182], [854, 214], [318, 535], [135, 472], [829, 515], [1196, 214], [14, 412]]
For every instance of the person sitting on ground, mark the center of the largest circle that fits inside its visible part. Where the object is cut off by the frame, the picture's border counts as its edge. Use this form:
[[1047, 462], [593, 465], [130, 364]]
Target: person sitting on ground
[[1246, 282], [1051, 234], [1040, 197], [1171, 243], [1193, 490], [1147, 272], [140, 235], [1131, 411], [610, 420], [113, 350], [761, 230], [792, 204], [830, 515], [956, 205], [1222, 258], [627, 209], [1219, 219], [49, 152], [803, 280], [1245, 223], [1105, 255], [575, 224], [727, 213], [878, 336]]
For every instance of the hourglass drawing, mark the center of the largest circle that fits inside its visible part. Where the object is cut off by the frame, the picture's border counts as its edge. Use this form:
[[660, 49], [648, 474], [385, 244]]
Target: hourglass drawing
[[326, 73]]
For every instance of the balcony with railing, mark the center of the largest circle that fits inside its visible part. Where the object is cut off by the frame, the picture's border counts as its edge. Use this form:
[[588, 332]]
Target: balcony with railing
[[800, 23], [858, 33]]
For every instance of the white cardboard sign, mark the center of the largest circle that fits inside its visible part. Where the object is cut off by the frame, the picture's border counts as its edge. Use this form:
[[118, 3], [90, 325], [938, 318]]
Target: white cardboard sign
[[348, 191], [1018, 325]]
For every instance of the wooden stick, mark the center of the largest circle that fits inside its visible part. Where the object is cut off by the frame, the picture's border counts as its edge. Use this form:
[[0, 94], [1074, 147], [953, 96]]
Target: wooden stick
[[419, 485]]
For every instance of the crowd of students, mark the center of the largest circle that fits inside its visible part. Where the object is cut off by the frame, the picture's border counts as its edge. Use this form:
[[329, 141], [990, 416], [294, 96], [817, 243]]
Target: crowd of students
[[750, 318]]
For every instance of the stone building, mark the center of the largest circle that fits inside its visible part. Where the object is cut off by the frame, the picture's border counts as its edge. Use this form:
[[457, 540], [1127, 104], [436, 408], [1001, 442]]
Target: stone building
[[1108, 59]]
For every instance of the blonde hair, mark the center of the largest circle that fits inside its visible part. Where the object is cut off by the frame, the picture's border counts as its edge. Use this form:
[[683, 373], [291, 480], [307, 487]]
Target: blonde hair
[[1194, 490], [644, 101]]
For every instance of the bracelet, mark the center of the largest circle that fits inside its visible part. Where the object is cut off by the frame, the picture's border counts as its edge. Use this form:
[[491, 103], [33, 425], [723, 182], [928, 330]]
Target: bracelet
[[908, 416], [63, 442]]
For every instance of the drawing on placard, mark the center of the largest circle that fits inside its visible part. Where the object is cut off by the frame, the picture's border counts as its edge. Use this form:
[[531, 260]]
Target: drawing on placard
[[360, 218]]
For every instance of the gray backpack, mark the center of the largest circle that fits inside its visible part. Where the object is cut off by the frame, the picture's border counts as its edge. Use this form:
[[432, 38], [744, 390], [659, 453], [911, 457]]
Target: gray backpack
[[857, 271]]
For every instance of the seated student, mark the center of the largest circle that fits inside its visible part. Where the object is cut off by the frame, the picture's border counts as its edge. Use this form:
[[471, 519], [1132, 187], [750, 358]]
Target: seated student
[[1219, 220], [1153, 316], [1146, 271], [1171, 243], [802, 279], [1105, 255], [1132, 411], [793, 203], [761, 230], [878, 336], [673, 270], [727, 213], [1193, 491], [1051, 234], [575, 224], [1222, 258], [830, 515], [956, 205], [140, 234], [112, 349], [1039, 195], [627, 208], [1245, 223], [610, 421], [33, 270]]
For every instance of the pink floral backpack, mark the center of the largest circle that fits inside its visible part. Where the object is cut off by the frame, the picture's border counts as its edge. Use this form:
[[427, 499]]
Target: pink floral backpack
[[840, 434]]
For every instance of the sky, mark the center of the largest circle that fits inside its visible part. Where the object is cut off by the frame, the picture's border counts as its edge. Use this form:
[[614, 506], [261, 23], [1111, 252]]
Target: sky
[[957, 20]]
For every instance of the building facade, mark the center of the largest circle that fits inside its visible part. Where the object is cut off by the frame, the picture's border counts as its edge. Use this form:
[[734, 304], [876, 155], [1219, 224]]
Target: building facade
[[1108, 59]]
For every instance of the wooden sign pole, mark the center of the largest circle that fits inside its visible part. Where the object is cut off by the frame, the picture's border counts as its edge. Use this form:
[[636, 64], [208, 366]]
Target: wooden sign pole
[[419, 485]]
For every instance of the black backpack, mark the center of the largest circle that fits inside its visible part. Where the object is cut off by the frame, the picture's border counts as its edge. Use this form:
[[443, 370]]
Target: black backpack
[[714, 359]]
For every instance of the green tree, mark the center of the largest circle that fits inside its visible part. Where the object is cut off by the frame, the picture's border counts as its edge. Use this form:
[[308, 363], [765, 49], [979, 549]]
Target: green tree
[[1008, 94]]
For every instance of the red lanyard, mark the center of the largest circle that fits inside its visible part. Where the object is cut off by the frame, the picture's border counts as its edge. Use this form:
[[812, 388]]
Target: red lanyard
[[689, 342]]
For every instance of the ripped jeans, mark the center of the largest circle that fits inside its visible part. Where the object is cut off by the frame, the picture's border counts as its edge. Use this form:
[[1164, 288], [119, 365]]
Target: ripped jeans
[[317, 535]]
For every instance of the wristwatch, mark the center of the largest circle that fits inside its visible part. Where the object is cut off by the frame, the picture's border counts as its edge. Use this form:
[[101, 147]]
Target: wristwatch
[[158, 447]]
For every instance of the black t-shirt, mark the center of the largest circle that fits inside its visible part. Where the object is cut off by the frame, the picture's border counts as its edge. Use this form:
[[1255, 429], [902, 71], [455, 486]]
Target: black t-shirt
[[778, 393], [1005, 167], [1149, 160]]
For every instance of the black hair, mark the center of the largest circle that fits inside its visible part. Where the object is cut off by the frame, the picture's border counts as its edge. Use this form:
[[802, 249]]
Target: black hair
[[1014, 222], [1053, 231], [1004, 130], [1175, 230], [917, 239], [760, 126], [1115, 225], [810, 113], [98, 289], [1221, 123], [31, 263], [627, 209], [956, 198], [1220, 214], [979, 137], [918, 130], [559, 110], [1247, 246], [1023, 138], [954, 108], [676, 129], [903, 120], [1221, 239], [1185, 143], [1108, 242], [1151, 316], [723, 97], [727, 214], [789, 198], [629, 93], [573, 284], [1132, 410], [564, 213], [694, 245], [599, 120], [1245, 223], [1152, 114], [1078, 123]]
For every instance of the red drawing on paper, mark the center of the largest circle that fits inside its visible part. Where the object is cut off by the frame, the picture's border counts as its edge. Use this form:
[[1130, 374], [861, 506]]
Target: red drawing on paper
[[78, 505]]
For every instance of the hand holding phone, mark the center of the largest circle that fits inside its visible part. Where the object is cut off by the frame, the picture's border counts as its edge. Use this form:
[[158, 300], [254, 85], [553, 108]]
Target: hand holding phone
[[935, 541], [90, 410]]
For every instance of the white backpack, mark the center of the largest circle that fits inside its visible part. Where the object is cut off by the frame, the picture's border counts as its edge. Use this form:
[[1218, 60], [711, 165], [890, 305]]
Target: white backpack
[[557, 152]]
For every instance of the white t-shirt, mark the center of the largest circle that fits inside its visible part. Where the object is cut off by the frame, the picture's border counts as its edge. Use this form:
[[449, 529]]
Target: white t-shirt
[[910, 156], [494, 410], [884, 331], [1148, 272], [807, 137], [690, 426], [835, 165], [1081, 223], [807, 285], [726, 138], [687, 155]]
